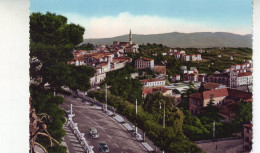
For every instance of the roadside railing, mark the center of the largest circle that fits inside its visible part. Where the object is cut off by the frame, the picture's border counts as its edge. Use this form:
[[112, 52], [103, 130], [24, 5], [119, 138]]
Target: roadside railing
[[79, 135]]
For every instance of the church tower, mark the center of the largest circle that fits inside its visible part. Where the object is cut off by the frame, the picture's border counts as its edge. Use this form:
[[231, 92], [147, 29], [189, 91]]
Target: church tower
[[130, 38]]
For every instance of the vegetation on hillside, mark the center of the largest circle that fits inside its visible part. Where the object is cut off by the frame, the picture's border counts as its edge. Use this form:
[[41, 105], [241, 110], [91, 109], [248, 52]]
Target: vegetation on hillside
[[210, 63]]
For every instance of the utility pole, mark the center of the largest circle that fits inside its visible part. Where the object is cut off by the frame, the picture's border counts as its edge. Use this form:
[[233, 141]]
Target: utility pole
[[136, 114], [71, 110], [106, 99], [136, 107], [213, 130], [164, 114]]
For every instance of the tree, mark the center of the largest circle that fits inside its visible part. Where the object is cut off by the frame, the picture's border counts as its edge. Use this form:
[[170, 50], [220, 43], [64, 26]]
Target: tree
[[79, 78], [87, 46], [51, 43], [44, 101], [201, 88], [210, 113], [243, 115]]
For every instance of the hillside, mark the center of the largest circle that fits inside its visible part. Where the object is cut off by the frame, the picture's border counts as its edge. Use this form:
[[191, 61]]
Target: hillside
[[185, 40]]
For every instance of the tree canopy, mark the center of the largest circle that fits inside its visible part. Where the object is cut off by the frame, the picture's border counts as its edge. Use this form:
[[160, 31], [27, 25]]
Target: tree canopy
[[52, 41]]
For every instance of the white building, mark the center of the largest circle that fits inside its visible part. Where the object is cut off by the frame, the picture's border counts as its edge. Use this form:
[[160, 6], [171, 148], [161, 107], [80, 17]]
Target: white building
[[144, 63], [153, 82]]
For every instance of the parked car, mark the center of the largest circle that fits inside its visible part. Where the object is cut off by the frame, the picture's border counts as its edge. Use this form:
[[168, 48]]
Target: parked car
[[103, 147], [93, 132]]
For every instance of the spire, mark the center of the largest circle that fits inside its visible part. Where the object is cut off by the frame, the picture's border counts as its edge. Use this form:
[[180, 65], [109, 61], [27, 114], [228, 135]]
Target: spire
[[130, 38]]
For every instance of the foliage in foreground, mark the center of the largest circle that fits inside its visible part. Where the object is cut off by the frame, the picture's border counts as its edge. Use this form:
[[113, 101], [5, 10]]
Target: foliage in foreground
[[45, 102]]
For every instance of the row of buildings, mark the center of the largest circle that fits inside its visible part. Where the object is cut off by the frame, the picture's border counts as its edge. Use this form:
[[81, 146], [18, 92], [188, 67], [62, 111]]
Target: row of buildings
[[236, 76], [183, 56], [105, 58]]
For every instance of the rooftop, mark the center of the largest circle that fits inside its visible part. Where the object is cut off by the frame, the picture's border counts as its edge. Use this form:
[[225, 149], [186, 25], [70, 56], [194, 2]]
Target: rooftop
[[151, 80], [244, 74], [146, 59], [211, 85], [223, 92]]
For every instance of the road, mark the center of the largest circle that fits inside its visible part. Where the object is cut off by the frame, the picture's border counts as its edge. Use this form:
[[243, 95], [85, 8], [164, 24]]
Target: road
[[119, 140], [224, 146]]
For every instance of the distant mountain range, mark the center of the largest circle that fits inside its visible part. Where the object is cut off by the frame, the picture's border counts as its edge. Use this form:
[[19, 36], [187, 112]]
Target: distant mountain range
[[184, 40]]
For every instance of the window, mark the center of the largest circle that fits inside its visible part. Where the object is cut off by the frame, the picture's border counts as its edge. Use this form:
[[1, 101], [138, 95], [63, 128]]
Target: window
[[247, 139]]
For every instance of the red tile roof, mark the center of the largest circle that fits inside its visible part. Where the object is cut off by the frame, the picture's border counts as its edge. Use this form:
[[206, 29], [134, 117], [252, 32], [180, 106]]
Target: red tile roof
[[223, 92], [197, 95], [146, 59], [248, 125], [239, 94], [244, 74], [211, 85], [216, 93], [151, 90]]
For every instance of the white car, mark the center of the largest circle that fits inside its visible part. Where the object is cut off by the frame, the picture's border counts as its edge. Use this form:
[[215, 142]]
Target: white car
[[93, 132]]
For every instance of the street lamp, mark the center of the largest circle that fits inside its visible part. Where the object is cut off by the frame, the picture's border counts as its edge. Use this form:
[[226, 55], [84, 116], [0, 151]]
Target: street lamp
[[213, 130], [136, 107], [106, 99], [163, 111]]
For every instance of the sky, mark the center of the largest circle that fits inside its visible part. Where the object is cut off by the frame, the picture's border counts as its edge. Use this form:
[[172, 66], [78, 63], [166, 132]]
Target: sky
[[109, 18]]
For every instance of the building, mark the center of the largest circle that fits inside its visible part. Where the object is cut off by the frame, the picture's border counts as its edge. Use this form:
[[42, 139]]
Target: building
[[122, 59], [178, 54], [163, 90], [132, 48], [232, 78], [202, 77], [143, 63], [226, 99], [245, 78], [161, 69], [240, 68], [192, 75], [176, 78], [247, 137], [221, 78], [213, 86], [153, 82], [193, 57], [97, 79]]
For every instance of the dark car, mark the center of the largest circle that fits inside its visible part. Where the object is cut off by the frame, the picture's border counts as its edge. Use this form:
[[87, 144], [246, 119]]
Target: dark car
[[103, 147]]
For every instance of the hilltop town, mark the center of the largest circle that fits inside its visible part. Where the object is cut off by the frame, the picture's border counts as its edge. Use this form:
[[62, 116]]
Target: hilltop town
[[141, 97], [198, 86]]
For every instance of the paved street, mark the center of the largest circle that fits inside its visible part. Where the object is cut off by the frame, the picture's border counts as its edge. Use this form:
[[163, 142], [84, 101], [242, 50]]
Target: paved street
[[119, 140], [224, 146]]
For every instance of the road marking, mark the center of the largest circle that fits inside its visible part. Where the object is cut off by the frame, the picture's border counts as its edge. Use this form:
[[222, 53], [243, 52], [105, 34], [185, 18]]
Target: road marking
[[116, 145], [91, 120]]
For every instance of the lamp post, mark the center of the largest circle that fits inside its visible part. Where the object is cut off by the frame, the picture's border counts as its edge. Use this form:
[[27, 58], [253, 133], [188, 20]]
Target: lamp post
[[136, 114], [213, 130], [106, 99], [136, 107], [163, 111]]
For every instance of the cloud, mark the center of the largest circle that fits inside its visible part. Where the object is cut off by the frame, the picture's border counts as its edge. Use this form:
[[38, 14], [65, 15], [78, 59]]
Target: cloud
[[110, 26]]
